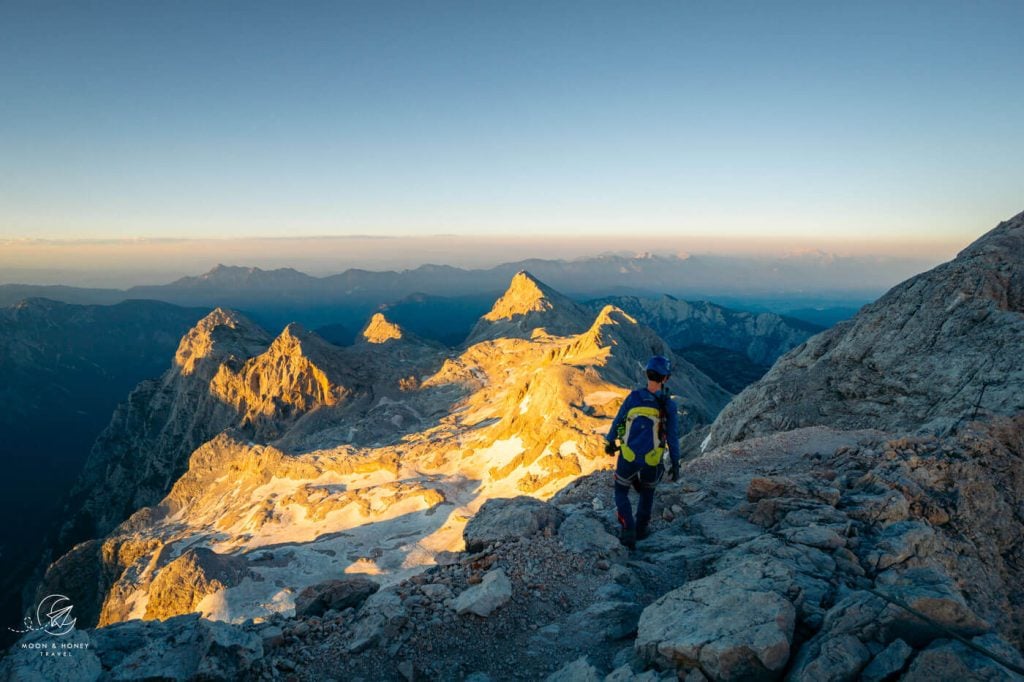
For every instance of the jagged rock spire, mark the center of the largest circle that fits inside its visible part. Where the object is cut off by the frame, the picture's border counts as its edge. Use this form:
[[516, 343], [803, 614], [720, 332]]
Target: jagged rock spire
[[381, 330], [219, 335], [527, 305]]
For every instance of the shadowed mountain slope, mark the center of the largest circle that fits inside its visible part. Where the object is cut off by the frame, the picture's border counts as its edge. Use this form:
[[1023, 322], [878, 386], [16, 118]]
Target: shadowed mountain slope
[[940, 349]]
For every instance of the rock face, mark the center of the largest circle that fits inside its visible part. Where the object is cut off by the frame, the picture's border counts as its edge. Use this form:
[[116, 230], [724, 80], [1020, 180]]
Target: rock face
[[187, 580], [296, 374], [730, 632], [500, 519], [182, 648], [938, 350], [762, 337], [492, 592], [527, 306], [146, 446], [367, 459], [339, 595], [380, 330]]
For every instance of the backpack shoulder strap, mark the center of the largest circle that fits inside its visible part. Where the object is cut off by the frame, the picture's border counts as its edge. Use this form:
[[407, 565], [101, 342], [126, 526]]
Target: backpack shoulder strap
[[662, 397]]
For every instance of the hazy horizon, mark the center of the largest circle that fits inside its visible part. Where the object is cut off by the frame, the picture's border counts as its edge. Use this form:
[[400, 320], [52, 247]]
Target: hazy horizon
[[121, 263]]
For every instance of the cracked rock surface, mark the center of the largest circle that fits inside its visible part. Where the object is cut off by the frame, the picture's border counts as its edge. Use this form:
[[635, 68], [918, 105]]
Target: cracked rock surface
[[933, 353]]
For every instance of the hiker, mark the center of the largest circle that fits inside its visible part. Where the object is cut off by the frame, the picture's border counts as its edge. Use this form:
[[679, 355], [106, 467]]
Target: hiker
[[647, 419]]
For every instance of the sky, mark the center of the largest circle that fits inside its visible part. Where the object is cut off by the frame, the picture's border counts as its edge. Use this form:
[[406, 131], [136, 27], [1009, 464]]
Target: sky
[[889, 125]]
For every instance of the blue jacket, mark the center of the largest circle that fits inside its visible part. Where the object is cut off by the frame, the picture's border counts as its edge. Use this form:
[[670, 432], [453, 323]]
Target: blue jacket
[[641, 397]]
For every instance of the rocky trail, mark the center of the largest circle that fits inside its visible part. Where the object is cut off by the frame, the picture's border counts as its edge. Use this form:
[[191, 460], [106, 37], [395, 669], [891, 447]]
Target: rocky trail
[[767, 564], [782, 562]]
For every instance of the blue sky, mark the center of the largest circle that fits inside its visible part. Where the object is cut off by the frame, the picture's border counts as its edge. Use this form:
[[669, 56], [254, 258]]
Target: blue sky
[[859, 121]]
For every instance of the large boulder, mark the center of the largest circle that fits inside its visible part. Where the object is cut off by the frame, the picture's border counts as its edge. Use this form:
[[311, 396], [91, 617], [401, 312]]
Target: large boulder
[[500, 519], [493, 591], [728, 631], [931, 594], [27, 659], [579, 670], [888, 663], [606, 620], [583, 534], [340, 594], [380, 619]]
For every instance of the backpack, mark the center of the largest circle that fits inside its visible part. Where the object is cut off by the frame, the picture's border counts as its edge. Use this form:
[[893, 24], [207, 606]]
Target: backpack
[[643, 434]]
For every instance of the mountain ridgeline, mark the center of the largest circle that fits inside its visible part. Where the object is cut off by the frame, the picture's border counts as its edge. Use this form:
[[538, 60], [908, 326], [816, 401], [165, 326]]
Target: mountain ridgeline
[[274, 298], [244, 429], [961, 324], [68, 366], [367, 511]]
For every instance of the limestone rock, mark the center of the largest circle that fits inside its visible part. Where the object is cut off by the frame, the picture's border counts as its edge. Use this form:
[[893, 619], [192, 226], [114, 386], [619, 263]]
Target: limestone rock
[[839, 659], [577, 671], [145, 448], [184, 582], [526, 306], [502, 518], [950, 660], [626, 674], [932, 594], [583, 534], [381, 330], [606, 620], [730, 632], [483, 599], [762, 337], [900, 542], [182, 648], [340, 594], [380, 619], [26, 663], [888, 663], [959, 324]]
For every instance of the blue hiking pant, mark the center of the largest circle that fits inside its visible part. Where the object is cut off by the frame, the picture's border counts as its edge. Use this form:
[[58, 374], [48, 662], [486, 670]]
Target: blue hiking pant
[[644, 478]]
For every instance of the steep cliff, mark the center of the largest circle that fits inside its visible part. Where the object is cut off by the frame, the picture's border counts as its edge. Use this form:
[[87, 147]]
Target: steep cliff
[[762, 337], [936, 351]]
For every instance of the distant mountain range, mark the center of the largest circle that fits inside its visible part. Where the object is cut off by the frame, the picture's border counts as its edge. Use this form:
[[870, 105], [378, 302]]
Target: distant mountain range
[[273, 298]]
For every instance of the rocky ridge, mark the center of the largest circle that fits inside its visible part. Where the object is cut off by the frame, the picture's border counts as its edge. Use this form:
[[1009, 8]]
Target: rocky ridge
[[142, 452], [529, 307], [935, 352], [786, 556], [762, 337], [363, 460], [807, 554]]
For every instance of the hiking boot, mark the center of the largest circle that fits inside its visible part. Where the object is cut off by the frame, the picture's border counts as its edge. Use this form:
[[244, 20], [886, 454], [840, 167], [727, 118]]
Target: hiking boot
[[643, 532], [628, 538]]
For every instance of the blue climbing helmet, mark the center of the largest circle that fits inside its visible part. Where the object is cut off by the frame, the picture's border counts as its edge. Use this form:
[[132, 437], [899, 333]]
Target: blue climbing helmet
[[660, 367]]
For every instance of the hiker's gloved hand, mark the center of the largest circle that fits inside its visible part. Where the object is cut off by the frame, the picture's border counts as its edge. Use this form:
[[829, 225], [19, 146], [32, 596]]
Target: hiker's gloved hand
[[609, 447], [673, 474]]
